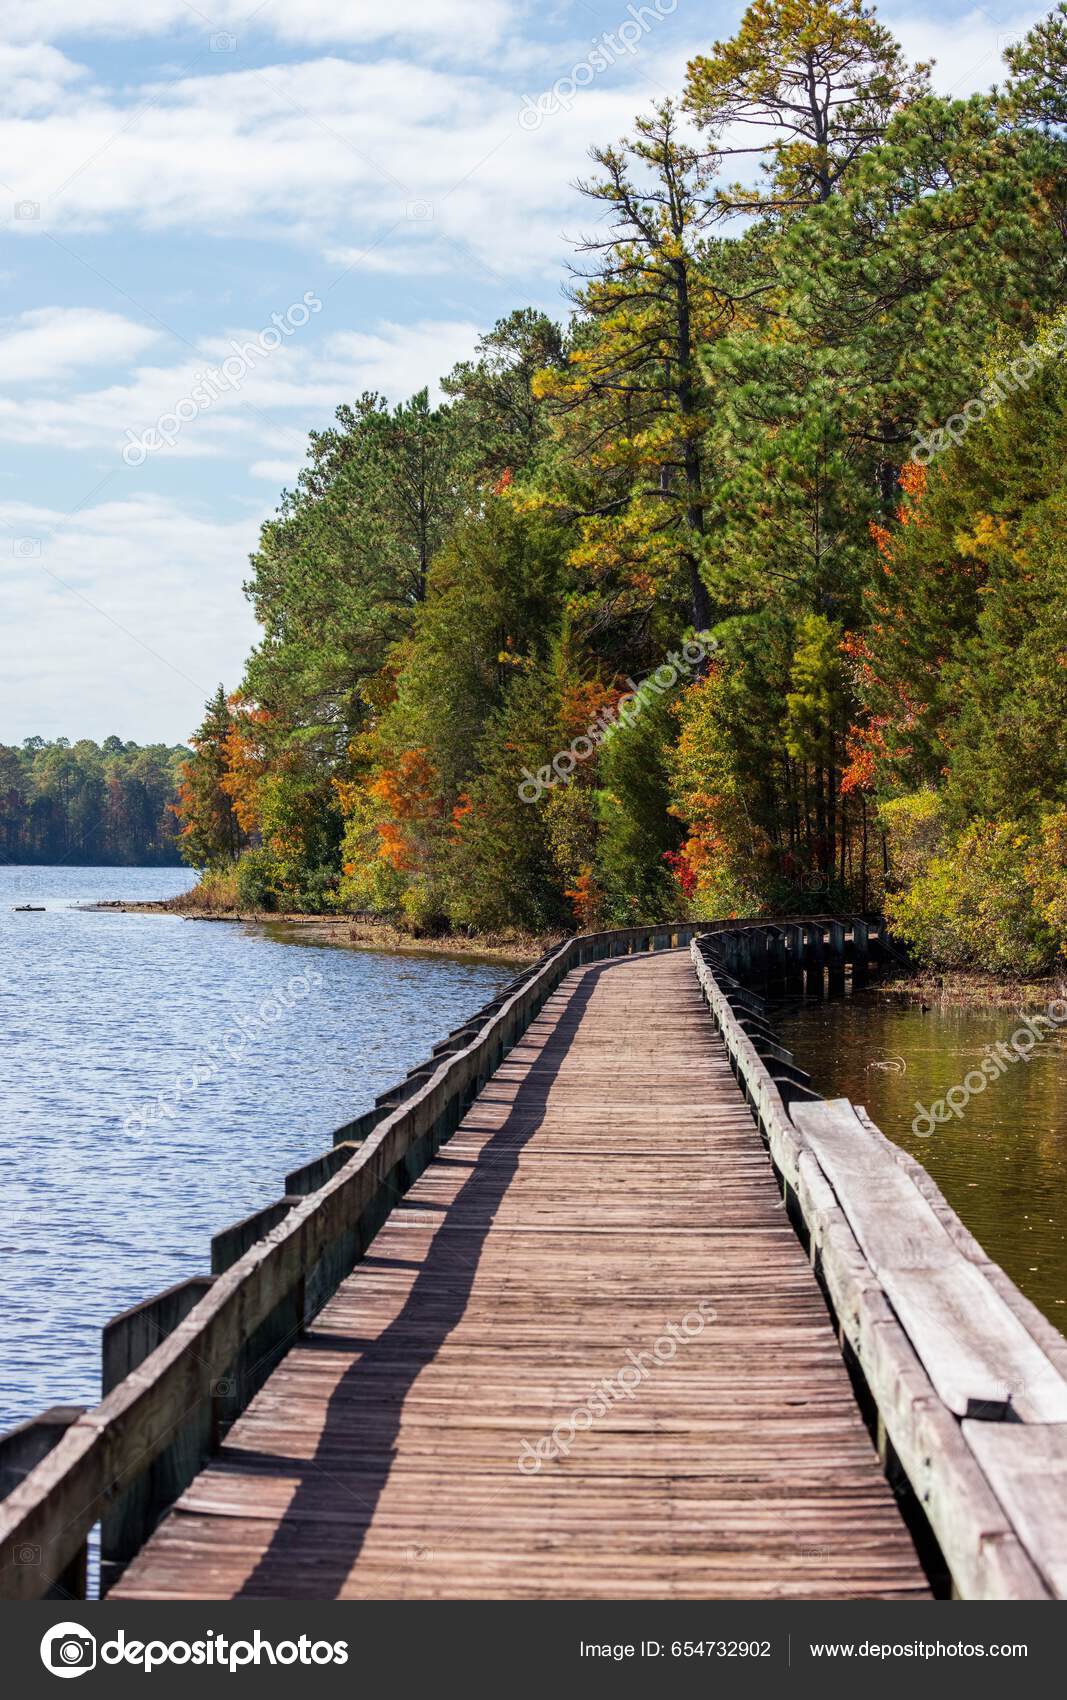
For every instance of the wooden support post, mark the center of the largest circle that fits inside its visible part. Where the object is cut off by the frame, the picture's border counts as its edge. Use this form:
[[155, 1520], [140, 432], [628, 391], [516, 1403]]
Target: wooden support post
[[21, 1451], [776, 957], [743, 938], [360, 1127], [310, 1176], [137, 1502], [231, 1243], [860, 951], [793, 941], [813, 952], [835, 953]]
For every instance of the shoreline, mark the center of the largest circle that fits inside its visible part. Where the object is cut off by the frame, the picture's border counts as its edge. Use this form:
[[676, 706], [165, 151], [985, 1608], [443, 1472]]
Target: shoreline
[[960, 988], [351, 932]]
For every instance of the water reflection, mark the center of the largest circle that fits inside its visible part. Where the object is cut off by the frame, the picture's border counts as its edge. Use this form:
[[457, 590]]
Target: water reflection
[[1001, 1161]]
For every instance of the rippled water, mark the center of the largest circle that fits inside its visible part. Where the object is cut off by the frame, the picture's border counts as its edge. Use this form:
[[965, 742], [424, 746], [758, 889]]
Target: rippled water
[[105, 1197], [1002, 1163]]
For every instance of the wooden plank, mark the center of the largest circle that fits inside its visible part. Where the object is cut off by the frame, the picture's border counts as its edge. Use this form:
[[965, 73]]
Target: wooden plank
[[1027, 1466], [977, 1353], [1037, 1325]]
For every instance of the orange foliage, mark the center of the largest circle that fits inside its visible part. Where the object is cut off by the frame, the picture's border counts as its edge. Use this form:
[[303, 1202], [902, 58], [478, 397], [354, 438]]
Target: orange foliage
[[407, 793], [913, 480], [407, 789], [247, 761], [585, 898], [583, 702], [462, 809]]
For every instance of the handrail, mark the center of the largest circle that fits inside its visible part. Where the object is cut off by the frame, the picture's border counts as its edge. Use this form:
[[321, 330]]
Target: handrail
[[972, 1479]]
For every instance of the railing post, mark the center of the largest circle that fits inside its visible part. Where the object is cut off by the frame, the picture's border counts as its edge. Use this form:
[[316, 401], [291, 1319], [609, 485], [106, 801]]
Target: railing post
[[793, 942], [728, 944], [860, 951], [835, 952], [776, 958], [743, 943], [20, 1452], [813, 956], [138, 1503]]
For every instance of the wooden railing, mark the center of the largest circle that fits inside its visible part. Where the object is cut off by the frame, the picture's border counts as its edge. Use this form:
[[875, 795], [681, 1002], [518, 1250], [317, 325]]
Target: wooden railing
[[180, 1367], [963, 1380]]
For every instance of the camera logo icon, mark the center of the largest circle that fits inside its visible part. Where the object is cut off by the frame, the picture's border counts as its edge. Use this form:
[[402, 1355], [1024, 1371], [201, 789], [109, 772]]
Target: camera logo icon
[[68, 1650]]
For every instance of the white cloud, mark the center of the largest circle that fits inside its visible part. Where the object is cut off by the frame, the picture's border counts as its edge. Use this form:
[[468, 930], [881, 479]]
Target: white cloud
[[279, 472], [47, 343], [450, 22], [967, 50], [34, 76], [138, 612], [399, 359], [347, 156], [282, 395]]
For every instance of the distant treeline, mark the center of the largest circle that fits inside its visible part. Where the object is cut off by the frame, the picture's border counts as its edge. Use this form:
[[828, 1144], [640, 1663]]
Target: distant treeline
[[104, 804]]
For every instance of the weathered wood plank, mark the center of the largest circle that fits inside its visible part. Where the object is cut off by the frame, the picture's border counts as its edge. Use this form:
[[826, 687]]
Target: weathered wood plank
[[977, 1353], [1027, 1467]]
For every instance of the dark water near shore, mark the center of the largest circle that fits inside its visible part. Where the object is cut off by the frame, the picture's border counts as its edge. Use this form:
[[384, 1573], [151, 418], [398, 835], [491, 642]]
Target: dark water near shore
[[1002, 1162], [107, 1192]]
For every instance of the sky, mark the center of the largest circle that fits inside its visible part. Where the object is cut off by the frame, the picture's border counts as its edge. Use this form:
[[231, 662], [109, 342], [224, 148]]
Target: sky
[[217, 224]]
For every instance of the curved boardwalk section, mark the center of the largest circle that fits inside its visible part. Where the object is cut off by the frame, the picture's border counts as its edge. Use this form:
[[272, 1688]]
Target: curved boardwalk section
[[585, 1357]]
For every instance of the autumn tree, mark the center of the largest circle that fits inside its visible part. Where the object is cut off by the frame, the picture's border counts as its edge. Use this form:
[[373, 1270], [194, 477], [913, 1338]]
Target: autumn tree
[[809, 86], [211, 834], [632, 404]]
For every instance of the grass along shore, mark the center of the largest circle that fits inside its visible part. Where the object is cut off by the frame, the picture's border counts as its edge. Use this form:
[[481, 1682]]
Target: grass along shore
[[356, 932]]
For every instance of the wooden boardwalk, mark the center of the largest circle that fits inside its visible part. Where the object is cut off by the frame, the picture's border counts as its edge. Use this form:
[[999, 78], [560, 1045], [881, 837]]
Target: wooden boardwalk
[[607, 1183]]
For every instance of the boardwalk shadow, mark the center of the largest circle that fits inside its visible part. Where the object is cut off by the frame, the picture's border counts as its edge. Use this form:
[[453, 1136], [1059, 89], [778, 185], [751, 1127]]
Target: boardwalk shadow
[[314, 1547]]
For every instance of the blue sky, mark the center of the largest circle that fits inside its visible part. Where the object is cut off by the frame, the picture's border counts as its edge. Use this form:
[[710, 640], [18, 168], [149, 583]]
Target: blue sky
[[172, 176]]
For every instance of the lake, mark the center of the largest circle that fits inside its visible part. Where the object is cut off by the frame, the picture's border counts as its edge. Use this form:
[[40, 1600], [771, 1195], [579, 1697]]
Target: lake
[[1002, 1161], [158, 1079]]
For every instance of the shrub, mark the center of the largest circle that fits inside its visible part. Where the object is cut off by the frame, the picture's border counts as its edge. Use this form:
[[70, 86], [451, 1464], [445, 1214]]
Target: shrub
[[915, 829], [973, 906], [256, 880], [1047, 870], [215, 890]]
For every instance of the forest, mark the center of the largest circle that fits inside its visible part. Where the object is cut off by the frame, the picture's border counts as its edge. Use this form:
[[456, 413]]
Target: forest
[[109, 804], [738, 590]]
